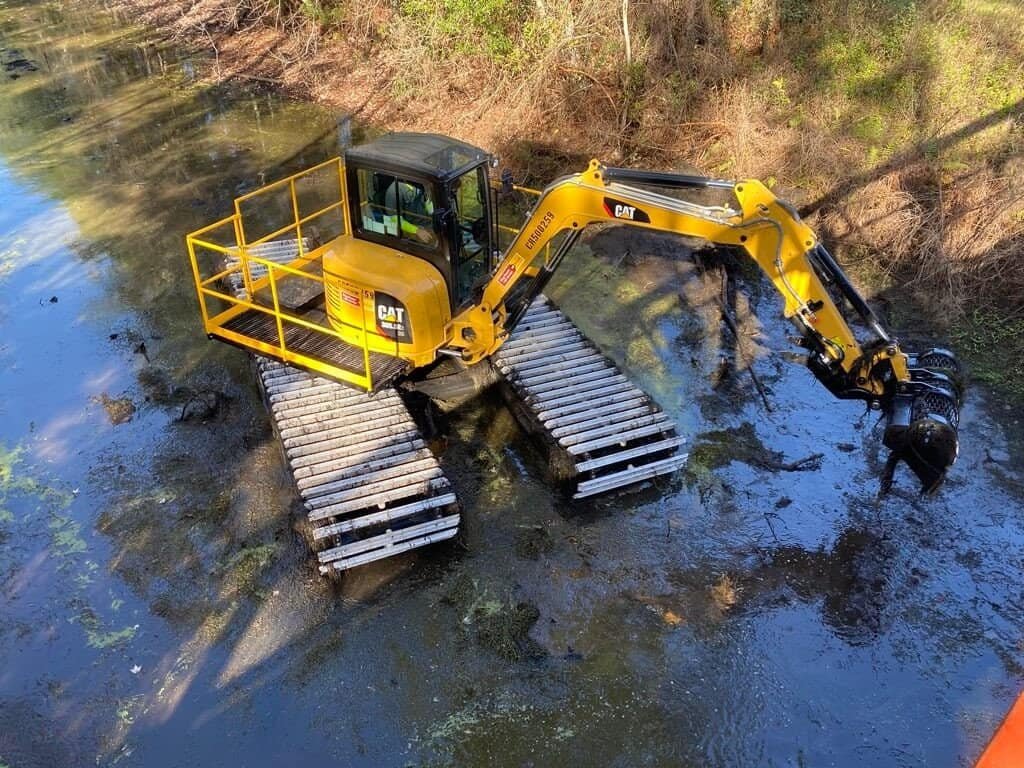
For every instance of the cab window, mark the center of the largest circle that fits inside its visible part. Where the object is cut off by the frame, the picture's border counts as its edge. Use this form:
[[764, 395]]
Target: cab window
[[396, 207]]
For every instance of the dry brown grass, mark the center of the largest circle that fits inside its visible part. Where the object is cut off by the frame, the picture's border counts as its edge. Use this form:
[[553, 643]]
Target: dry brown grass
[[960, 233]]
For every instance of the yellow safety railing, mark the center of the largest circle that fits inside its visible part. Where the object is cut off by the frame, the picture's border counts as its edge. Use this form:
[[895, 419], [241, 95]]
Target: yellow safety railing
[[226, 246]]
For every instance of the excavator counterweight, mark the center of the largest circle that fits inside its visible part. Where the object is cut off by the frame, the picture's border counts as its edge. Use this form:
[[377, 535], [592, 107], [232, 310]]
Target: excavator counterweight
[[390, 265]]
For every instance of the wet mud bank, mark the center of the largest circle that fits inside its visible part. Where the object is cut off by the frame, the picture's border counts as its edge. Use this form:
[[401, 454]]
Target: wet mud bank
[[161, 608]]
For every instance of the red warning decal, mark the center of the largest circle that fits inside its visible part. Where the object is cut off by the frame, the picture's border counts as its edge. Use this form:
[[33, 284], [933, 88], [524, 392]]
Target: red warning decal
[[349, 298], [506, 274]]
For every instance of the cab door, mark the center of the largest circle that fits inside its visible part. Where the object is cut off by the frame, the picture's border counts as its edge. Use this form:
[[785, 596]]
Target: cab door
[[471, 234]]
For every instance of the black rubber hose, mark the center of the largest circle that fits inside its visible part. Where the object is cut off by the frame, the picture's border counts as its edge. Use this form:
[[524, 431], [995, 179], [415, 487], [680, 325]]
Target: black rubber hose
[[839, 278]]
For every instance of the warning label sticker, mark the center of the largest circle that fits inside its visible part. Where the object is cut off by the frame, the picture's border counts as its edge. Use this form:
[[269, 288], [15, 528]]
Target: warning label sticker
[[506, 274]]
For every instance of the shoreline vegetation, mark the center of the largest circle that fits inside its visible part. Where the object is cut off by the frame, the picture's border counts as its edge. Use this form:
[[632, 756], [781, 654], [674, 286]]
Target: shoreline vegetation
[[897, 127]]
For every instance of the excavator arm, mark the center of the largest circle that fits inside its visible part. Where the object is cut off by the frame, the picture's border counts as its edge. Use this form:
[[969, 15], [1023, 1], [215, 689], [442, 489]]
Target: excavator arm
[[918, 393]]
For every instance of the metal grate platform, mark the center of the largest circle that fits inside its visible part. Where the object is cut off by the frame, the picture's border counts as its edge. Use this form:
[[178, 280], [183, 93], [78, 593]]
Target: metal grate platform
[[606, 430], [252, 323]]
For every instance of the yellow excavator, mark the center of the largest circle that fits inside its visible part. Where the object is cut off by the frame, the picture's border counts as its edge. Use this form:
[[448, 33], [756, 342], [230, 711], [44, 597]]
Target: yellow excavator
[[390, 262]]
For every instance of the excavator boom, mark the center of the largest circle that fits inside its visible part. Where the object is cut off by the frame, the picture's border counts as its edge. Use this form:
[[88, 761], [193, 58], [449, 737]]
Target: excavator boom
[[917, 393]]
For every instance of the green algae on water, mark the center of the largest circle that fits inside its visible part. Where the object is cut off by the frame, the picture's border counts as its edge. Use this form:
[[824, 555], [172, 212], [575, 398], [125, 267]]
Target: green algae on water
[[66, 535], [126, 709], [15, 481], [246, 565], [101, 638], [67, 541], [499, 625]]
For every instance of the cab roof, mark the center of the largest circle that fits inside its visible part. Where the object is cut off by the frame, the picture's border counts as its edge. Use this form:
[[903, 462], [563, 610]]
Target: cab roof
[[429, 154]]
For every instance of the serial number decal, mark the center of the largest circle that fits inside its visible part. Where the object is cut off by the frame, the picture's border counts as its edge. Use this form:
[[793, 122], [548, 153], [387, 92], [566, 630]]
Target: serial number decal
[[534, 237]]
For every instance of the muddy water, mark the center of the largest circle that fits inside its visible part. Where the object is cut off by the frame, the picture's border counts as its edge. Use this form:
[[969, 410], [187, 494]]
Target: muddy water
[[158, 609]]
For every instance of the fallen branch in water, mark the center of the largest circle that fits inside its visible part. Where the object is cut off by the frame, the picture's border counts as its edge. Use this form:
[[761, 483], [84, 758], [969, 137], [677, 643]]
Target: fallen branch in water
[[800, 465]]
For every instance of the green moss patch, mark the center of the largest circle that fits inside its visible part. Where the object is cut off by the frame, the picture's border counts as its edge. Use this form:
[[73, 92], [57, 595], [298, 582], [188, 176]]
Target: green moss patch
[[993, 348], [718, 448]]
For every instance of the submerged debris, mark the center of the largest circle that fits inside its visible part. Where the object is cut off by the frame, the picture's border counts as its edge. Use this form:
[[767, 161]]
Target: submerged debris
[[157, 385], [195, 404], [856, 578], [503, 627], [533, 541], [16, 65], [671, 618], [460, 592], [725, 592], [667, 607], [119, 410], [719, 447], [203, 406]]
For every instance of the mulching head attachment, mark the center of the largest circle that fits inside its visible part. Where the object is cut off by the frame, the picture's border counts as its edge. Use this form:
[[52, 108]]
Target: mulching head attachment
[[924, 419]]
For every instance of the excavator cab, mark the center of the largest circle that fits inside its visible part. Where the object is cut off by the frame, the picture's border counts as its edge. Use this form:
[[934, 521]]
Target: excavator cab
[[428, 197], [420, 246]]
